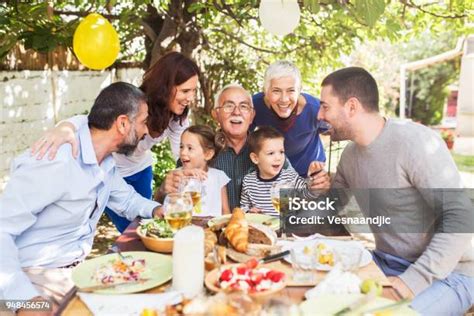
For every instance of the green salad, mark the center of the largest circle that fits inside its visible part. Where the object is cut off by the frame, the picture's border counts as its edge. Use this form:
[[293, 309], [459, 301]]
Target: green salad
[[156, 228]]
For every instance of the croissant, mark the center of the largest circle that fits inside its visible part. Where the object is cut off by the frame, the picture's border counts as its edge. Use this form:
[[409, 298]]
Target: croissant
[[210, 240], [237, 231]]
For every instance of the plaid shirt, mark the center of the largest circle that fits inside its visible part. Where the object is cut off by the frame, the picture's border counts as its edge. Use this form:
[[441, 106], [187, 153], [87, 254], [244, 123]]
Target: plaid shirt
[[235, 166]]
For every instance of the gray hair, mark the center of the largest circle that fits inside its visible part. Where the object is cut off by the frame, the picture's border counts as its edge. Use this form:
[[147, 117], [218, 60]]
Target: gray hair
[[233, 85], [279, 69]]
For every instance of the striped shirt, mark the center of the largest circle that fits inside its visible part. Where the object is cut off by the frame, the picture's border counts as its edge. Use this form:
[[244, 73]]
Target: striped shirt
[[256, 192]]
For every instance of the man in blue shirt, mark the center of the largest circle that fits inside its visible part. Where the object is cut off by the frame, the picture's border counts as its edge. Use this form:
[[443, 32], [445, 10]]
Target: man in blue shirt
[[50, 208]]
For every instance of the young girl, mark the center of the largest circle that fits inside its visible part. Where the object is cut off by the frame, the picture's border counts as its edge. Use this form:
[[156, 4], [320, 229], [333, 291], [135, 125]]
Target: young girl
[[197, 149]]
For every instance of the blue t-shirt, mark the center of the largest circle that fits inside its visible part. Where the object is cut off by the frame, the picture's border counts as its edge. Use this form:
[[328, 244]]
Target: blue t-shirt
[[302, 142]]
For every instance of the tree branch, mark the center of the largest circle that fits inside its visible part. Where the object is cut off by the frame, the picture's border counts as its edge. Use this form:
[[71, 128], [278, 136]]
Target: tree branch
[[241, 41], [148, 30], [227, 10], [84, 13], [420, 7], [231, 13]]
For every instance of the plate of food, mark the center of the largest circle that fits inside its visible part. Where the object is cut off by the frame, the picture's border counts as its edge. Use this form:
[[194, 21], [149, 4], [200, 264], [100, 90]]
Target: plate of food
[[259, 282], [156, 235], [266, 220], [322, 254], [143, 270], [245, 239], [331, 304]]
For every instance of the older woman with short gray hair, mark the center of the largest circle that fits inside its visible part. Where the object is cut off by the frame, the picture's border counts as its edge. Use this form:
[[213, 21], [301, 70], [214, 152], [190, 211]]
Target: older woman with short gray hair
[[283, 106]]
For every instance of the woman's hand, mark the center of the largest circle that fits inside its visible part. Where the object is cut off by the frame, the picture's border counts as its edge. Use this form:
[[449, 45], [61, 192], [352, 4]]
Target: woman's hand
[[53, 139]]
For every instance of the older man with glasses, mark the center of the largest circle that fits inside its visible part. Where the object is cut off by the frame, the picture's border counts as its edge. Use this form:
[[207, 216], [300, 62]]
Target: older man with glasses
[[234, 113]]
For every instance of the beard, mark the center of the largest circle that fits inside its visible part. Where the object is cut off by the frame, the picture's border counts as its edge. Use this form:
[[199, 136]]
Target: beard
[[338, 135], [342, 132], [129, 144]]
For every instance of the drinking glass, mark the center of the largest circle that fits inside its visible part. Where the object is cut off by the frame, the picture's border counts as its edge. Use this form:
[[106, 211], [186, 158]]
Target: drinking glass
[[302, 267], [349, 256], [178, 209], [194, 186], [275, 192]]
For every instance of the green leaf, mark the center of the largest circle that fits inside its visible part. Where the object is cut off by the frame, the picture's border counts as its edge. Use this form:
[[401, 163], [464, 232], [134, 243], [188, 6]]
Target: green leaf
[[369, 10], [195, 7], [393, 28], [312, 6]]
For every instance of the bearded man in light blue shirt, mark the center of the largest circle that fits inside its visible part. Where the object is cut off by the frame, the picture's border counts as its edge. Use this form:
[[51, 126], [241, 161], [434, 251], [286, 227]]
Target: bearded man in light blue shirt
[[50, 208]]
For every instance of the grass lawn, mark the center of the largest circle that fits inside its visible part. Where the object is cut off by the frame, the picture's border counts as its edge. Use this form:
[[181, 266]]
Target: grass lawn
[[464, 163]]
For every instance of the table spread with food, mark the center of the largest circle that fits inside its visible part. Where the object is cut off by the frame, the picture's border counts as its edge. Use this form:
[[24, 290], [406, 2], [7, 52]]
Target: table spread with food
[[231, 265]]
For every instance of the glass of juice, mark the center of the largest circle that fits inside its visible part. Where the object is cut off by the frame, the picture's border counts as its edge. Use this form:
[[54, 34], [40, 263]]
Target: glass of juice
[[178, 210], [275, 192], [194, 186]]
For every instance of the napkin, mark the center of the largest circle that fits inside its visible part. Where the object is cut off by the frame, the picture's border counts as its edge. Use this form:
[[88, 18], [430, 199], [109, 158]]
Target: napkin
[[131, 304]]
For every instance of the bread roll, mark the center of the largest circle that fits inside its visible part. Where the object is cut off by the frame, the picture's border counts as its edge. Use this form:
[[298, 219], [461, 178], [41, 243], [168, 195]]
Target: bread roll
[[237, 231], [210, 240], [210, 260]]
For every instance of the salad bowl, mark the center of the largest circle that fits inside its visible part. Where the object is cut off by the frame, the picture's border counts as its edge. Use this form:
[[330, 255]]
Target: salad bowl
[[156, 235]]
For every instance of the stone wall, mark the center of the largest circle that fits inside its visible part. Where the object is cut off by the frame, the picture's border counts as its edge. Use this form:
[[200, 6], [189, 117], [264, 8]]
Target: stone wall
[[34, 101]]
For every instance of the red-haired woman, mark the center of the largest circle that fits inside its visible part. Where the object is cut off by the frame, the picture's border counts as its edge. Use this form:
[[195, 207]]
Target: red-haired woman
[[170, 85]]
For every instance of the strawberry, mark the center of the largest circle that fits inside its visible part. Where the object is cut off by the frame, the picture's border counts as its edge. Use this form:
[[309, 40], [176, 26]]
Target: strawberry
[[226, 275], [242, 270], [277, 276], [257, 278], [250, 283], [252, 263], [269, 274], [235, 286]]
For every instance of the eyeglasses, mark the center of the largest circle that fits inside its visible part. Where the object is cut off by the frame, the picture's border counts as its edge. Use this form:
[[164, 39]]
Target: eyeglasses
[[229, 107]]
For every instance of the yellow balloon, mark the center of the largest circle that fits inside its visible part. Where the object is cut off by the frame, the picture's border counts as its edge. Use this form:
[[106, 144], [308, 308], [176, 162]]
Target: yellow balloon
[[95, 42]]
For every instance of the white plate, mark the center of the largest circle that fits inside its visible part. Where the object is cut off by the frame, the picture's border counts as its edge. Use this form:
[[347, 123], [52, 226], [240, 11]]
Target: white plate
[[298, 246], [274, 222], [158, 269]]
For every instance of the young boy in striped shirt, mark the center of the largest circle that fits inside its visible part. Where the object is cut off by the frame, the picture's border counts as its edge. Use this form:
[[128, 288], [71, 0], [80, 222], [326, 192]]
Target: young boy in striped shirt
[[267, 152]]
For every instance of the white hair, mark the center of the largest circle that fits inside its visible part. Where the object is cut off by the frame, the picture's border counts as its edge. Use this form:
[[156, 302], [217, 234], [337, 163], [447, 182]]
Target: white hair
[[279, 69], [227, 87]]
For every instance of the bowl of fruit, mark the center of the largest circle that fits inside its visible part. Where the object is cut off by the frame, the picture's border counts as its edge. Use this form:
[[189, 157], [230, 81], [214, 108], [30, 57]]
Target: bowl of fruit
[[259, 282]]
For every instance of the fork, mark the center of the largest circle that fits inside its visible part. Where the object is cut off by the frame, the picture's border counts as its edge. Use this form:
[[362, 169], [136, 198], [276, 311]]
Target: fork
[[116, 249]]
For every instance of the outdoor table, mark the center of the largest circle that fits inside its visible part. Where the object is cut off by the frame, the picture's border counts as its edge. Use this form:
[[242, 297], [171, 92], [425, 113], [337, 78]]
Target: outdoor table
[[130, 241]]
